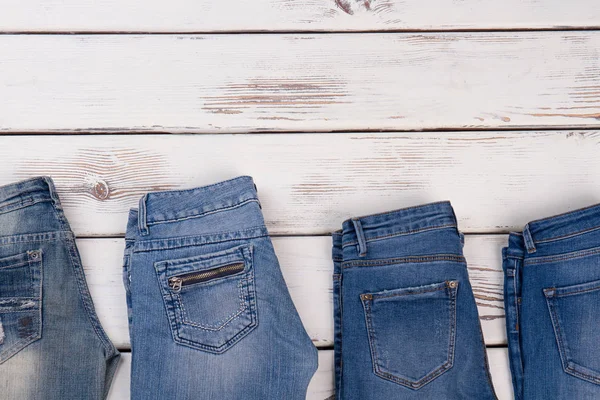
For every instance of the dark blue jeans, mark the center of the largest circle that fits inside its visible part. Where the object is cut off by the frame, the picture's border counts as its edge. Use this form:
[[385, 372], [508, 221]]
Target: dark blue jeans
[[552, 301], [406, 322]]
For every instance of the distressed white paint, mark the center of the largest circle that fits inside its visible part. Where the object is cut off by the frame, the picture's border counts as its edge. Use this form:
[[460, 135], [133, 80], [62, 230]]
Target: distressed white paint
[[310, 183], [321, 386], [306, 15], [298, 82]]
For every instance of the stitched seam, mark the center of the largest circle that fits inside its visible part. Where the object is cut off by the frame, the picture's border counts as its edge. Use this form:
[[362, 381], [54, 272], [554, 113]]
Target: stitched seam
[[576, 292], [173, 193], [433, 374], [407, 294], [403, 209], [86, 298], [404, 260], [404, 233], [214, 328], [563, 257], [196, 241], [217, 210], [567, 236]]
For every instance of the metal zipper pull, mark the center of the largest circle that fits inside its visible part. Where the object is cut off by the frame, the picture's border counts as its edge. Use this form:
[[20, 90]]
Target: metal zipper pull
[[175, 284]]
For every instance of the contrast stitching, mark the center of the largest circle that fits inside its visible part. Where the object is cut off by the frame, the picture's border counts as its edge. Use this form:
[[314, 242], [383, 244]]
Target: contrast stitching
[[404, 260], [562, 257], [403, 233]]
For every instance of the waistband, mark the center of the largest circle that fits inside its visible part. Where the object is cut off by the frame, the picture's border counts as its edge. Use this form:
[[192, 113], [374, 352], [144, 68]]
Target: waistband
[[174, 205], [393, 223], [558, 227], [27, 192]]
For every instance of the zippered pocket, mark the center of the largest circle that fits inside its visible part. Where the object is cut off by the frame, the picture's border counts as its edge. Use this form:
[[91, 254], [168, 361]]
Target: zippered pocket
[[210, 299], [177, 282]]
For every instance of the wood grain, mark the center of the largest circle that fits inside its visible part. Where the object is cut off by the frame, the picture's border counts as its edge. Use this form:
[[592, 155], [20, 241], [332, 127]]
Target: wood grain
[[298, 82], [290, 15], [310, 183], [321, 386], [307, 269]]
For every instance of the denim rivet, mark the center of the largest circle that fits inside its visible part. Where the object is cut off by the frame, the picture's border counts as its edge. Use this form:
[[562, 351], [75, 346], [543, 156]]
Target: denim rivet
[[452, 284], [366, 296], [35, 254]]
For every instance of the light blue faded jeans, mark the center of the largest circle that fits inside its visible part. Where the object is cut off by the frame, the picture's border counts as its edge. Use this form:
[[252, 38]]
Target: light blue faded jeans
[[209, 312], [52, 346], [406, 322], [552, 303]]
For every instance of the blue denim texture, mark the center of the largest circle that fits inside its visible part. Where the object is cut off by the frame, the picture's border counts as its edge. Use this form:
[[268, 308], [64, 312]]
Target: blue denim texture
[[210, 315], [52, 346], [406, 322], [552, 302]]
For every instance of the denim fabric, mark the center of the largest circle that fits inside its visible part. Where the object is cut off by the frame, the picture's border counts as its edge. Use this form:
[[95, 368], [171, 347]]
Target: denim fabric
[[406, 322], [52, 346], [552, 301], [209, 312]]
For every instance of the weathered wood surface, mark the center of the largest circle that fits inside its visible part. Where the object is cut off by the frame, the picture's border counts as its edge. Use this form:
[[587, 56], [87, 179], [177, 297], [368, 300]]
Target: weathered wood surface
[[321, 386], [299, 82], [289, 15], [307, 267], [310, 183]]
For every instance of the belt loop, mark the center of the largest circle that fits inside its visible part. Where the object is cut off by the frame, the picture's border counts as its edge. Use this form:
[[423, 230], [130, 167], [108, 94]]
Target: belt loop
[[52, 190], [529, 243], [142, 224], [360, 235]]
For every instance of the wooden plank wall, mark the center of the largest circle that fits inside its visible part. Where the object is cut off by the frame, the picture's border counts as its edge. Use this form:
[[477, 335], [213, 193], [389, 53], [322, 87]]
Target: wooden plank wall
[[337, 108]]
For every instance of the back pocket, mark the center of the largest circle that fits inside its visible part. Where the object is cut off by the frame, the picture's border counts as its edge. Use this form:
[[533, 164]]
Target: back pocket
[[575, 315], [20, 302], [412, 332], [210, 299]]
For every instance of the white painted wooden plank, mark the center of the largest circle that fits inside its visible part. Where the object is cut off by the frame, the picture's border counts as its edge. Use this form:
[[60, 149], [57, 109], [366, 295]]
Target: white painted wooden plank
[[310, 183], [322, 384], [307, 268], [308, 15], [241, 83]]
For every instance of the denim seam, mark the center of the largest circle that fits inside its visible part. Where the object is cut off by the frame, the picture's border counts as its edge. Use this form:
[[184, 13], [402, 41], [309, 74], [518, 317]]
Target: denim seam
[[202, 240], [433, 374], [404, 209], [35, 237], [404, 260], [24, 342], [562, 257], [567, 236], [215, 211], [407, 294], [86, 298], [172, 193], [576, 292], [176, 325], [404, 233], [225, 321], [562, 347]]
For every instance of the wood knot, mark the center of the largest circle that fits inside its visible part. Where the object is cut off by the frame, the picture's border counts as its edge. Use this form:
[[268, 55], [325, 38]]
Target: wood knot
[[101, 190]]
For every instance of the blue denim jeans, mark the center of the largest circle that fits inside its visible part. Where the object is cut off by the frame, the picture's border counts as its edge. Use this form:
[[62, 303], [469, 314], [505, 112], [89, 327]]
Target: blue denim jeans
[[52, 346], [210, 315], [406, 322], [552, 302]]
